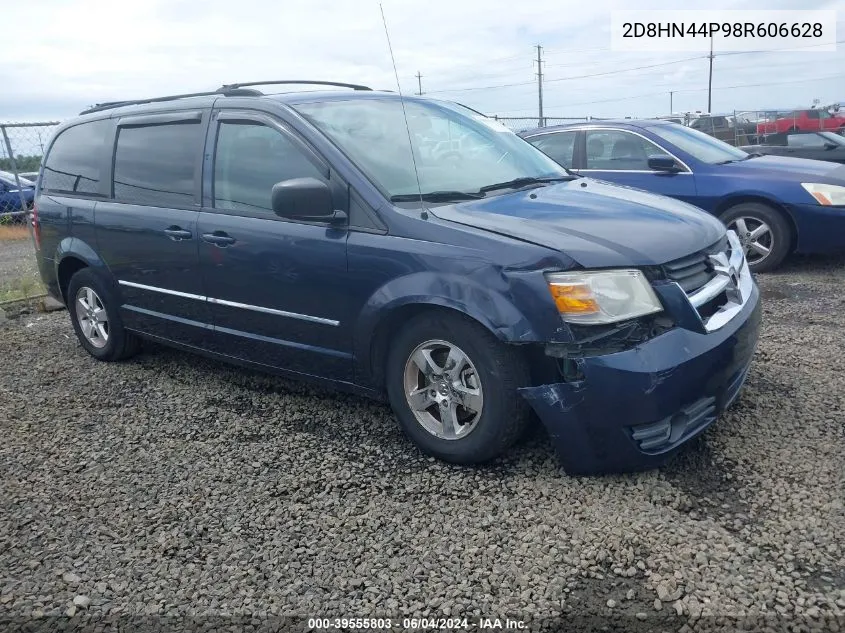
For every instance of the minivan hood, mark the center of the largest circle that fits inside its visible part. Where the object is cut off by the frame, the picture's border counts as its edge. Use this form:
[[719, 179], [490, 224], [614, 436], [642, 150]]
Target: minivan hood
[[595, 223], [788, 168]]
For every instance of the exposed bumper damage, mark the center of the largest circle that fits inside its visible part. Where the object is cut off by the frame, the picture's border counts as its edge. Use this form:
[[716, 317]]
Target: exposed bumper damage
[[631, 410]]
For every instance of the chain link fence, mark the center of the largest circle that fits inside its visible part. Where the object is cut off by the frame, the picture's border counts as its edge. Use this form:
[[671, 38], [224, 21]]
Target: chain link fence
[[21, 148], [522, 124]]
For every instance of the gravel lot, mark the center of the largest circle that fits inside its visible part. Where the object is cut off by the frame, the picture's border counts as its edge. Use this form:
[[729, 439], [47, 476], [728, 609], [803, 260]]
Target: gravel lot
[[172, 485]]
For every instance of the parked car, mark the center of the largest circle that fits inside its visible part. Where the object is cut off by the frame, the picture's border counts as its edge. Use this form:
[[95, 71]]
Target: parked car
[[718, 126], [815, 145], [803, 120], [15, 200], [32, 176], [776, 205], [297, 233]]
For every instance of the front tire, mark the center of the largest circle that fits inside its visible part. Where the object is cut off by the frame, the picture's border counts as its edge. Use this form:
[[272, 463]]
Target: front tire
[[453, 387], [765, 234], [94, 312]]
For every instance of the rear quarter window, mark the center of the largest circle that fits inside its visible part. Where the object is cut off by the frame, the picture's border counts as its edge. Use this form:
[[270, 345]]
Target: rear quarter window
[[73, 164]]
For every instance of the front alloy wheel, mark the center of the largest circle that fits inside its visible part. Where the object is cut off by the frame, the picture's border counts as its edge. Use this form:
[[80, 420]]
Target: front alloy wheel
[[443, 389], [755, 236], [455, 387]]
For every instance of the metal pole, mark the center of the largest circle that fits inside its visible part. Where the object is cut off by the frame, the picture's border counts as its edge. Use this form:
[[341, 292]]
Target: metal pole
[[671, 95], [419, 82], [710, 80], [540, 85]]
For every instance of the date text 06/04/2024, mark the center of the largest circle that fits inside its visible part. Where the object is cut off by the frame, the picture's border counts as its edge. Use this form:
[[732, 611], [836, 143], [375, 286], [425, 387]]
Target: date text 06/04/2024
[[416, 624]]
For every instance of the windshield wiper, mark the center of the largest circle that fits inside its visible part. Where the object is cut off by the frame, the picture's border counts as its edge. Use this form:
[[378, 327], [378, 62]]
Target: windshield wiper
[[523, 182], [436, 196], [753, 155]]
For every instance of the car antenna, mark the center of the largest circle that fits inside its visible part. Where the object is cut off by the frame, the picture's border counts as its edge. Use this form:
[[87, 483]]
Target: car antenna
[[423, 213]]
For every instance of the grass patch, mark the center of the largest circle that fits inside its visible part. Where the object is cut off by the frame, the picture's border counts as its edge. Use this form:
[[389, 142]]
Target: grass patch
[[19, 288], [9, 232]]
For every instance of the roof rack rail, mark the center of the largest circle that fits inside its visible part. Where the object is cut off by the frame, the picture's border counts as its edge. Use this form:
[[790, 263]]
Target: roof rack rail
[[296, 81], [233, 92]]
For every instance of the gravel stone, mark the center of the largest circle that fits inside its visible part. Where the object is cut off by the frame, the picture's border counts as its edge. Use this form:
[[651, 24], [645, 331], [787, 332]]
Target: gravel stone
[[174, 485], [82, 601]]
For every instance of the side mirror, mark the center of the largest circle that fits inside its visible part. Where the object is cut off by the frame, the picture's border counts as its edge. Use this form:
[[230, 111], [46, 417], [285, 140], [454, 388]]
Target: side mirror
[[662, 162], [830, 146], [306, 199]]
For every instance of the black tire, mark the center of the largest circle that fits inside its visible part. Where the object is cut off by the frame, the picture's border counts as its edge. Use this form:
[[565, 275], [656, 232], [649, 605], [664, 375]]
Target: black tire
[[500, 368], [781, 232], [120, 344]]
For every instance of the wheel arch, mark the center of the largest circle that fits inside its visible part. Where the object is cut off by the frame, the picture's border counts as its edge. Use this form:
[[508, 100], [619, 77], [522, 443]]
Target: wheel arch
[[73, 255], [406, 297]]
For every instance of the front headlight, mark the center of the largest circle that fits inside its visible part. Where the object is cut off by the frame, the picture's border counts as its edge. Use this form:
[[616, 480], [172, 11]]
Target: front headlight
[[828, 195], [602, 296]]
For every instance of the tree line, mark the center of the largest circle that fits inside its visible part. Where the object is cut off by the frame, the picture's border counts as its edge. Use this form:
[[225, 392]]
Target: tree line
[[23, 163]]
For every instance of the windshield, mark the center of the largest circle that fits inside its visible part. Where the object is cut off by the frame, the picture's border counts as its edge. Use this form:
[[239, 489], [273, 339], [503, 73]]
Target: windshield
[[455, 149], [699, 145]]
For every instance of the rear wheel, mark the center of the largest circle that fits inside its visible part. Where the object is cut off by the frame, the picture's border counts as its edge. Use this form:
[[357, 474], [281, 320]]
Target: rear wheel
[[93, 309], [453, 386], [765, 234]]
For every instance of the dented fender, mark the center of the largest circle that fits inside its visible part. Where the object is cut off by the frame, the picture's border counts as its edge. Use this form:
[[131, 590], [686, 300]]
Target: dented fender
[[491, 305]]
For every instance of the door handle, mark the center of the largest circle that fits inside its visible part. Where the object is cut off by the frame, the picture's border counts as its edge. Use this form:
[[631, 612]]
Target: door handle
[[177, 233], [219, 238]]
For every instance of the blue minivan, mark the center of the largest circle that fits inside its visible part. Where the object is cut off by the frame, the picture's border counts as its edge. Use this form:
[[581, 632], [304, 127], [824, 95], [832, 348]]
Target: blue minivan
[[776, 205], [406, 249]]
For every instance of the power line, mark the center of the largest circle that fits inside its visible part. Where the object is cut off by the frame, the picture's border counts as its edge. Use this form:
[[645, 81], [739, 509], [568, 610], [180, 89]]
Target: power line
[[601, 74], [617, 71], [625, 70], [775, 50], [651, 94]]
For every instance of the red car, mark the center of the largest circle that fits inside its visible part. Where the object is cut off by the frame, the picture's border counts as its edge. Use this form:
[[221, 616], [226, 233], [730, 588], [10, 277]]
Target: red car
[[803, 120]]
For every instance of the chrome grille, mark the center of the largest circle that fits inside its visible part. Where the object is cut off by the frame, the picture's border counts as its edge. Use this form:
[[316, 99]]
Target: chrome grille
[[717, 281], [690, 272]]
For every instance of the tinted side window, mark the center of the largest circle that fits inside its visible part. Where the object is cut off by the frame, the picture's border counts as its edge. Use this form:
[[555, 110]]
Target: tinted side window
[[560, 146], [812, 114], [155, 164], [618, 150], [73, 164], [249, 160]]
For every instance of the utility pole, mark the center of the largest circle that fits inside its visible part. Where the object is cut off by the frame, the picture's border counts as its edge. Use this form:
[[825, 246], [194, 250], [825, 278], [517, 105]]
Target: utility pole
[[710, 80], [419, 82], [671, 95], [540, 85]]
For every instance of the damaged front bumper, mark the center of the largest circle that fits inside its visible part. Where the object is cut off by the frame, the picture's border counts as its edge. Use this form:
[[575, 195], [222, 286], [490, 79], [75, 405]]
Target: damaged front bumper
[[631, 410]]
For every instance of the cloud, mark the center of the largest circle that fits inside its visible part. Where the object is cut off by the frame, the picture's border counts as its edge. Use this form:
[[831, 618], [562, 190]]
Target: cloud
[[79, 52]]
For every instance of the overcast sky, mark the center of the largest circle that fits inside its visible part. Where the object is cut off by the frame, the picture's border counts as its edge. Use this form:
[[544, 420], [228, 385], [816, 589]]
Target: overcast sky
[[62, 55]]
